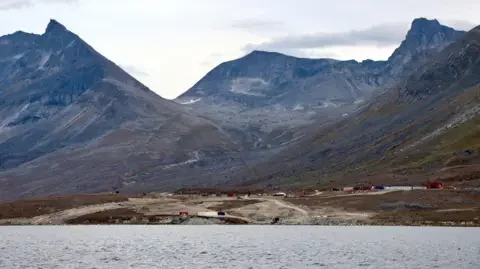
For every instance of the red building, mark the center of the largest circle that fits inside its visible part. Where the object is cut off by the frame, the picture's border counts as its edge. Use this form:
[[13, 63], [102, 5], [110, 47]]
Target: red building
[[435, 185]]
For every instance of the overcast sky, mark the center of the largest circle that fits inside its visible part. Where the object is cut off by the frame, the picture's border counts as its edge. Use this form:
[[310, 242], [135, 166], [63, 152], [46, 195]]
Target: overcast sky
[[171, 44]]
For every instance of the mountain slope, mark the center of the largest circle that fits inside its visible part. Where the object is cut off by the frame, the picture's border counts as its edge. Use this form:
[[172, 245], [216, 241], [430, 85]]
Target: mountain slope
[[264, 78], [265, 93], [70, 116], [426, 123]]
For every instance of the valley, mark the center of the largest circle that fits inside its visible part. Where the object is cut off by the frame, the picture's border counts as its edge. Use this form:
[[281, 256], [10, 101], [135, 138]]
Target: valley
[[74, 122]]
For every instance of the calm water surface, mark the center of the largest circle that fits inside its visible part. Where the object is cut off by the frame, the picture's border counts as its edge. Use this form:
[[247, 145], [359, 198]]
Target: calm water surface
[[238, 247]]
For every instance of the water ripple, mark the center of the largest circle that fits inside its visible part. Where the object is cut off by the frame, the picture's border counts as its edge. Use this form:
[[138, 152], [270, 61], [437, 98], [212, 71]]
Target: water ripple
[[238, 247]]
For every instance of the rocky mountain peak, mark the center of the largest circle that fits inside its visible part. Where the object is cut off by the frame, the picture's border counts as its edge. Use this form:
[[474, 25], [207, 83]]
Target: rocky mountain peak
[[424, 37], [426, 33], [57, 92], [55, 26], [422, 24]]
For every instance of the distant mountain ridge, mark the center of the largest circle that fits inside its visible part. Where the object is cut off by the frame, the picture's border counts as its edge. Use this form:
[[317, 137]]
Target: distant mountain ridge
[[264, 78], [426, 127], [71, 121], [266, 93]]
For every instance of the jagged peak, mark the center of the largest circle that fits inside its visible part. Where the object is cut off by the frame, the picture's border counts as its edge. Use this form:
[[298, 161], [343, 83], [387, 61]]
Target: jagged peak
[[425, 34], [426, 27], [424, 21], [55, 26]]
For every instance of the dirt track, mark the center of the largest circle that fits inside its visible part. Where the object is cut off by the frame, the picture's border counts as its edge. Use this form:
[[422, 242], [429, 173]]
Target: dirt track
[[255, 210], [328, 208]]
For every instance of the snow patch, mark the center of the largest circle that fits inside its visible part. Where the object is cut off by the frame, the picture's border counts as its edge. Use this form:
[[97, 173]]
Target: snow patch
[[195, 159], [329, 104], [249, 86], [18, 56], [291, 141], [298, 107], [191, 101], [71, 44], [44, 60], [6, 121], [326, 104]]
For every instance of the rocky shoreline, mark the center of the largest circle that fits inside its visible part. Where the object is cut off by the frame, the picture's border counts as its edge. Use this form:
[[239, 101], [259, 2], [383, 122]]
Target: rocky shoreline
[[195, 220]]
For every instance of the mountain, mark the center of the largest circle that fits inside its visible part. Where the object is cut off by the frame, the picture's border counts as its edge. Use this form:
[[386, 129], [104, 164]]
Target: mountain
[[266, 78], [426, 127], [275, 97], [424, 39], [72, 121]]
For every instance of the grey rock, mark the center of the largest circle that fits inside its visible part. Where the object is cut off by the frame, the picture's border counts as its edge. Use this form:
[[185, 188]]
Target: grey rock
[[407, 128], [72, 121], [268, 99], [424, 39]]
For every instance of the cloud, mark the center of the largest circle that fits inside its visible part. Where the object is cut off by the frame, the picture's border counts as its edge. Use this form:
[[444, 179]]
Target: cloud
[[215, 55], [134, 71], [206, 63], [461, 24], [324, 54], [213, 58], [380, 35], [258, 25], [10, 4], [19, 4]]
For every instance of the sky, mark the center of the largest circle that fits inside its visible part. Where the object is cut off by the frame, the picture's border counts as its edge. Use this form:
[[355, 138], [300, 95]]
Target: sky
[[171, 44]]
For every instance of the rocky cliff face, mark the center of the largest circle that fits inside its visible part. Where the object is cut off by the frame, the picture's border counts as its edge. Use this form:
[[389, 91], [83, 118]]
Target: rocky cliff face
[[68, 115], [425, 38], [266, 78], [275, 98], [425, 123]]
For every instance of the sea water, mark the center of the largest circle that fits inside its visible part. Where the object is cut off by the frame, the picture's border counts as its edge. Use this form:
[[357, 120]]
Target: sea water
[[238, 247]]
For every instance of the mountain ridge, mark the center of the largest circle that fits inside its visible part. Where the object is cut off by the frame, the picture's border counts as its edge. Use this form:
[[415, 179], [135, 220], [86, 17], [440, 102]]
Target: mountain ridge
[[268, 92], [71, 116], [424, 128], [423, 35], [73, 121]]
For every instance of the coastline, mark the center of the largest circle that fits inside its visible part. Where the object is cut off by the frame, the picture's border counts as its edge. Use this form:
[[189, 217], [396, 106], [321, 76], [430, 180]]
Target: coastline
[[445, 208], [205, 223]]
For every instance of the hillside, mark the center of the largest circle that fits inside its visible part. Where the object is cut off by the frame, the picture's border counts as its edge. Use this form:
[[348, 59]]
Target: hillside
[[425, 128], [72, 121], [273, 99]]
